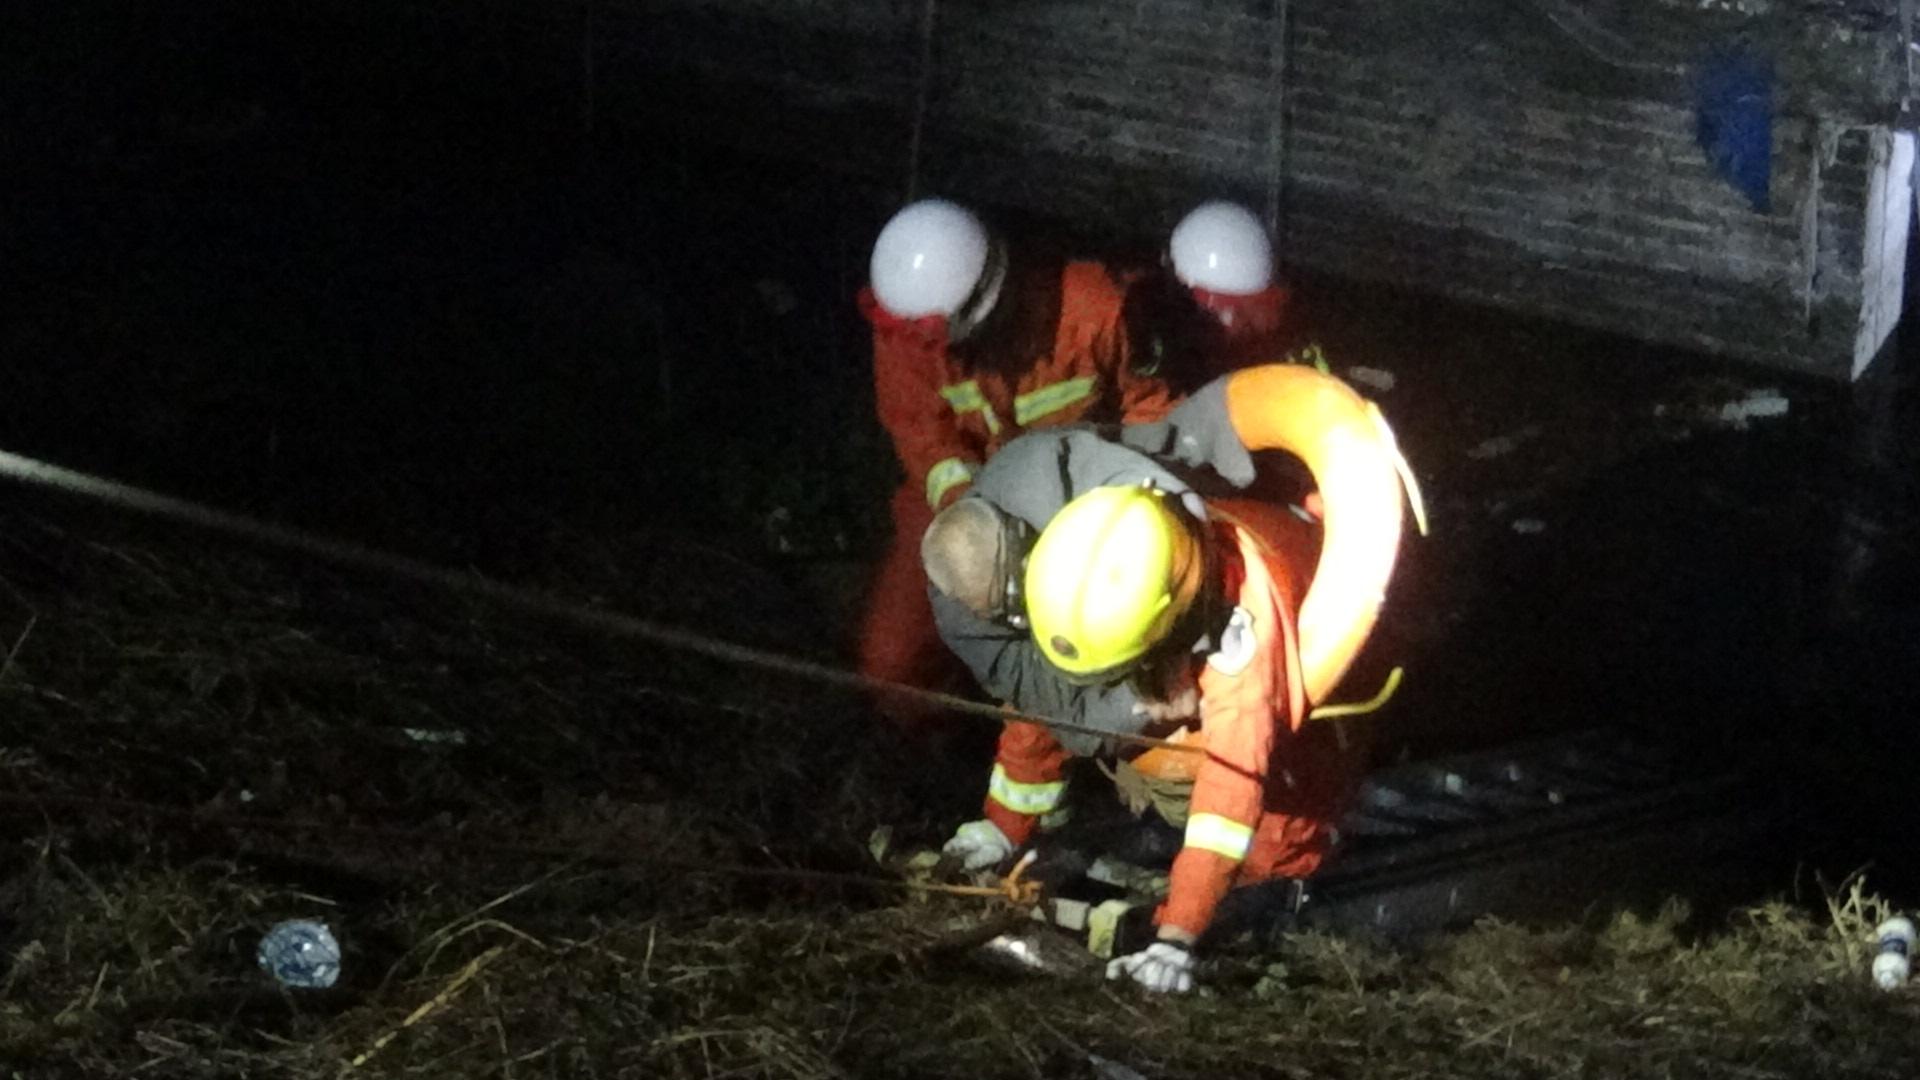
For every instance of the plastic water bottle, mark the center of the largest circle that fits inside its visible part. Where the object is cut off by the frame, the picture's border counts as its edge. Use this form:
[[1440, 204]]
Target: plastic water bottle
[[1892, 953], [301, 953]]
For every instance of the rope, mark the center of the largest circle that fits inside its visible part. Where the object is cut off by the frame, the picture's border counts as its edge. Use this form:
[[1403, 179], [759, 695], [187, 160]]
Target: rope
[[1278, 103], [40, 474], [1012, 889], [922, 94], [1599, 42], [1907, 29]]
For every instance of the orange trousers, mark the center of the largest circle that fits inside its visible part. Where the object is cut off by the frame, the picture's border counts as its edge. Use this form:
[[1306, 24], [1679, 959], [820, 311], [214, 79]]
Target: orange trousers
[[1315, 775]]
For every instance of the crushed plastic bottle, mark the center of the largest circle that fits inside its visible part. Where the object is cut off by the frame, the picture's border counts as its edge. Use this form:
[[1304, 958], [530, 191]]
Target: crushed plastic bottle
[[301, 953], [1893, 946]]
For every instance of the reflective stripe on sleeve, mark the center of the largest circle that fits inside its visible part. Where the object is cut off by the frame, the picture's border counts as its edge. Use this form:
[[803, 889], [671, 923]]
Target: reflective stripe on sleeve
[[966, 397], [963, 396], [1024, 798], [943, 476], [1035, 404], [1222, 836]]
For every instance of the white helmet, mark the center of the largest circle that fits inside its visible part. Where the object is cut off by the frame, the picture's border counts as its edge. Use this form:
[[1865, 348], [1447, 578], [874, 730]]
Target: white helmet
[[929, 259], [1221, 247]]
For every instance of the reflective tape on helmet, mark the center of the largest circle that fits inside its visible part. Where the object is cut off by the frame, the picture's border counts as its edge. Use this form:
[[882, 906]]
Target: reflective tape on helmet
[[1222, 836], [966, 397], [1035, 404], [1033, 799], [944, 476]]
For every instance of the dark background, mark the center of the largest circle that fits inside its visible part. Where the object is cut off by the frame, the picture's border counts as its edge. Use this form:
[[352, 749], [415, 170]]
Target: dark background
[[370, 271]]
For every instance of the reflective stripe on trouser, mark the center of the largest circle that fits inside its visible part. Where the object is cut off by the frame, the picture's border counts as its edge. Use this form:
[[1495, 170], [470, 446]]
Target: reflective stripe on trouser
[[1024, 798], [943, 476], [1222, 836], [1035, 404]]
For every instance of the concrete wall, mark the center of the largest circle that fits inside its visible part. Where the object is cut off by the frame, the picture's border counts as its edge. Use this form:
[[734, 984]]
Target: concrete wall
[[1535, 154]]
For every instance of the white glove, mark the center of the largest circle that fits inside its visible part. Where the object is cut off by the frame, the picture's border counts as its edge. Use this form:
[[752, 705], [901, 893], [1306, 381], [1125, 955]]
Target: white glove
[[978, 845], [1162, 967]]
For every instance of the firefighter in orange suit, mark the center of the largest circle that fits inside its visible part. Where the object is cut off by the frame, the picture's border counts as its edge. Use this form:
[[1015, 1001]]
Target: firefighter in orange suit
[[971, 347], [1216, 305], [1200, 615], [1228, 619]]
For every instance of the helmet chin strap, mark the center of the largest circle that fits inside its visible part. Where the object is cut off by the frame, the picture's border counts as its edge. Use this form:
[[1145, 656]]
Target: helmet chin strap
[[980, 303]]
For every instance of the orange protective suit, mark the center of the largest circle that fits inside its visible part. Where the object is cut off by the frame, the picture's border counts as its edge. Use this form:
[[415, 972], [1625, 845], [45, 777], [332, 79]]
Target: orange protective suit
[[1254, 329], [1192, 336], [1269, 787], [1062, 357]]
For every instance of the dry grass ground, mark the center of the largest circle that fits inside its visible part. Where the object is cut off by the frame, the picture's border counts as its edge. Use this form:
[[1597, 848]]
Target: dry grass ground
[[500, 819]]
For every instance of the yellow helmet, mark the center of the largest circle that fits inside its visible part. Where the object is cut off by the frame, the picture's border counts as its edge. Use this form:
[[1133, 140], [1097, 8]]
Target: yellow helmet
[[1108, 578]]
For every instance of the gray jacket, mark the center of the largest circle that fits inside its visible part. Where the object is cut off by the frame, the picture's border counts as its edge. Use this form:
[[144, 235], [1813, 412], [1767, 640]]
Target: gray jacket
[[1035, 475]]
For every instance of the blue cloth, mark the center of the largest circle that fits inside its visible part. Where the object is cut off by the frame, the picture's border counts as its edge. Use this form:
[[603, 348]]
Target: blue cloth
[[1734, 120]]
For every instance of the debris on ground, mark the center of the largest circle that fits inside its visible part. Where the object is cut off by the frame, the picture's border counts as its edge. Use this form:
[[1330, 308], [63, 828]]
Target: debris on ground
[[300, 953], [431, 737], [1502, 445], [1757, 405], [1529, 526], [1893, 949], [1723, 405], [1372, 378]]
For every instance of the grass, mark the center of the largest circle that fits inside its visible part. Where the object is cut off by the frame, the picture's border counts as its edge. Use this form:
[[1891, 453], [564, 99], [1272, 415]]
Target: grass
[[234, 688], [147, 967]]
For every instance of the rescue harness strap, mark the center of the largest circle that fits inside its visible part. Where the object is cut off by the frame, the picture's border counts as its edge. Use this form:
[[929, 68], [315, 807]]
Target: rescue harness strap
[[356, 556]]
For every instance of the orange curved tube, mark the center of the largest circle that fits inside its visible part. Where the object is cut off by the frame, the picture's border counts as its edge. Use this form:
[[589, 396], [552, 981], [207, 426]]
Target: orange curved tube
[[1346, 444]]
